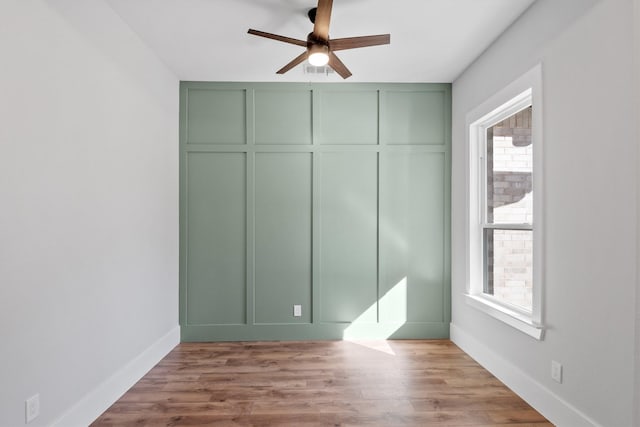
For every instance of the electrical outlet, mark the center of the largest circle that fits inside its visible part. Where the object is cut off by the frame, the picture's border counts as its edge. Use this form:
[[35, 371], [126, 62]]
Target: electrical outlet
[[297, 310], [32, 408], [556, 371]]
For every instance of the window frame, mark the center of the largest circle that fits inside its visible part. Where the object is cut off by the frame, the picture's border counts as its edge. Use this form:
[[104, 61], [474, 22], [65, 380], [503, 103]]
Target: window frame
[[523, 92]]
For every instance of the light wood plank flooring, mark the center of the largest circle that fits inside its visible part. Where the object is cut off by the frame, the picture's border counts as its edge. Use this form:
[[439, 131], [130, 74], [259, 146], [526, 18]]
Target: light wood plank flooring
[[328, 383]]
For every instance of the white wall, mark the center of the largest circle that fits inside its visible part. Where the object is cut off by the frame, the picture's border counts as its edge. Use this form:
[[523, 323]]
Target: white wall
[[88, 207], [636, 50], [590, 174]]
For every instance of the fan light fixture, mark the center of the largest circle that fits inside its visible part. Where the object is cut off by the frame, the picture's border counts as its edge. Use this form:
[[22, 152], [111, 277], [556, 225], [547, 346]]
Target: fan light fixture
[[318, 55], [319, 48]]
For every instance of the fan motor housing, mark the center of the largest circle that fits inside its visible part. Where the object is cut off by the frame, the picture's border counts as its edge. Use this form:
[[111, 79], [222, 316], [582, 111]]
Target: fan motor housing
[[312, 40]]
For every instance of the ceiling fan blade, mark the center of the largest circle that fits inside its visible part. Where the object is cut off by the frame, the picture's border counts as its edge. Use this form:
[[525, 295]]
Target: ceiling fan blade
[[338, 66], [298, 59], [277, 37], [356, 42], [323, 18]]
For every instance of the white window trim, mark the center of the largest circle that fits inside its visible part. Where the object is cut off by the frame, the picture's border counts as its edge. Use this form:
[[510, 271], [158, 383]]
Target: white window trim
[[526, 90]]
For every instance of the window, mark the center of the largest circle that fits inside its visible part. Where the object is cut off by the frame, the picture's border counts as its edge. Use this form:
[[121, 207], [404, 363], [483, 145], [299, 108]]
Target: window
[[504, 233], [507, 210]]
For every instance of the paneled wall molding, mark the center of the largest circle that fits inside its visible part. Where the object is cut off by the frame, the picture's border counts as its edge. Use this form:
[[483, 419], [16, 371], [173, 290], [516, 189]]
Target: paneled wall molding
[[334, 197]]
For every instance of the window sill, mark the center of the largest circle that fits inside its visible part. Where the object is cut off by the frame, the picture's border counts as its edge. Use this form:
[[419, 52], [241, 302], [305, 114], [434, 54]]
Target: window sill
[[513, 318]]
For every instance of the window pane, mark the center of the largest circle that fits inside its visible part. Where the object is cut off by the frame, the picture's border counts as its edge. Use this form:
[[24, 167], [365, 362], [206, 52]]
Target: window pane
[[509, 170], [509, 266]]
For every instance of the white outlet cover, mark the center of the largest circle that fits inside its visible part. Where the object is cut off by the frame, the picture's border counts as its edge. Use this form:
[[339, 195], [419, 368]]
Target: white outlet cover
[[556, 371], [297, 310], [32, 408]]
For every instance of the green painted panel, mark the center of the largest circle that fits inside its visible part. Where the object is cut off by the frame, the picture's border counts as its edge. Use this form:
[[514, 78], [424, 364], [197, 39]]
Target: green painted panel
[[348, 117], [355, 227], [412, 237], [216, 116], [283, 237], [216, 238], [348, 254], [414, 117], [283, 117]]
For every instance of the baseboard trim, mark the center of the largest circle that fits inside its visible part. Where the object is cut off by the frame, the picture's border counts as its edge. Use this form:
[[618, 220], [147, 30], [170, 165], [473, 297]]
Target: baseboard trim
[[97, 401], [555, 409], [315, 331]]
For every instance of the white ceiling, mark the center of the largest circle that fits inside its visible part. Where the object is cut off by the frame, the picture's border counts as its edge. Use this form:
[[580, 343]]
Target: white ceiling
[[431, 40]]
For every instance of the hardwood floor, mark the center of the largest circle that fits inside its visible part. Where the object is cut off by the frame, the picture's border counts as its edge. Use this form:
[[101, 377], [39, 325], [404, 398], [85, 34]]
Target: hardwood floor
[[336, 383]]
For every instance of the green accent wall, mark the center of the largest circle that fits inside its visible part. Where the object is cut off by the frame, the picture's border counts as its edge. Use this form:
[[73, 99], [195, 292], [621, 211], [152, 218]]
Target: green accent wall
[[335, 197]]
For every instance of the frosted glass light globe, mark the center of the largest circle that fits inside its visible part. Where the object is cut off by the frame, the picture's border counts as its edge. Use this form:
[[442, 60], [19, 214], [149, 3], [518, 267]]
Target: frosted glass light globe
[[318, 59], [318, 55]]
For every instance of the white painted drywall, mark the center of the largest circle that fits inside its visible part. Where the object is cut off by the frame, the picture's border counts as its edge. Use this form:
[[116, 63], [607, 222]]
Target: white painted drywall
[[636, 56], [88, 202], [208, 40], [590, 175]]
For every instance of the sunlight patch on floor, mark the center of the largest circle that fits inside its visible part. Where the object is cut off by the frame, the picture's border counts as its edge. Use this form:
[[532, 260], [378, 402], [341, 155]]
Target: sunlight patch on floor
[[378, 345]]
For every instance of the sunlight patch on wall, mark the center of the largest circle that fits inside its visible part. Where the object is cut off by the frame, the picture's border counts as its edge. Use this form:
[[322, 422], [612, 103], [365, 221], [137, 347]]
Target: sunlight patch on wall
[[393, 306]]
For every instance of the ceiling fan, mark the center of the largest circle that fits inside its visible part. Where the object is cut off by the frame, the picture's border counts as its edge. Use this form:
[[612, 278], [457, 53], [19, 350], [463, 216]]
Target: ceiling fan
[[319, 47]]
